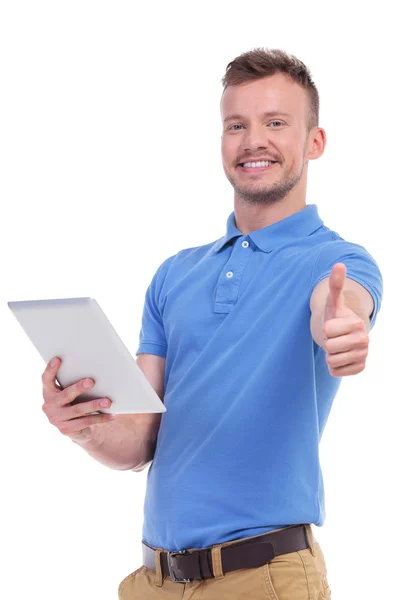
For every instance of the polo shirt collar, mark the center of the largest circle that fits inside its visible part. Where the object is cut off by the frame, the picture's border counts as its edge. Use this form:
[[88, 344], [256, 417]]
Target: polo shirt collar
[[298, 225]]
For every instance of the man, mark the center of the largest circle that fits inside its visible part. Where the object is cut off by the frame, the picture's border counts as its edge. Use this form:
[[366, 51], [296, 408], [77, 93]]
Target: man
[[246, 340]]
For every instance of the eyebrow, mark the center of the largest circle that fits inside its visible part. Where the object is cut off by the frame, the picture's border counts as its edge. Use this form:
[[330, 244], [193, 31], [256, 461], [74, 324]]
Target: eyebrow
[[270, 113]]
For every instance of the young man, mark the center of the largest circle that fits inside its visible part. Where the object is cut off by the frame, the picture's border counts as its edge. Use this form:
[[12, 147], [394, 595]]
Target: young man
[[246, 340]]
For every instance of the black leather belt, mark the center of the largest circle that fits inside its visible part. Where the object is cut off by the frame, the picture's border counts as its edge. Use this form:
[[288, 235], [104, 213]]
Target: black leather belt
[[184, 565]]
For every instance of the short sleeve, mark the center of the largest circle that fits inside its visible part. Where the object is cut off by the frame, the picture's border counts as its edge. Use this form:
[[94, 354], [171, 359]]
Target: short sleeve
[[152, 338], [360, 265]]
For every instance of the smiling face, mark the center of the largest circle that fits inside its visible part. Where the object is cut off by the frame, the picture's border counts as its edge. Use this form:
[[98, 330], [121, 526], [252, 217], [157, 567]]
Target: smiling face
[[266, 120]]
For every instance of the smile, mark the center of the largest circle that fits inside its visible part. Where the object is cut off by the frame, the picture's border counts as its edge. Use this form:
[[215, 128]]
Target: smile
[[256, 167]]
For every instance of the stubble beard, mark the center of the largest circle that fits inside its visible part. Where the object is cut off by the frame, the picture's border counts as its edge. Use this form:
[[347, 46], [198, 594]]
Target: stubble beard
[[266, 194]]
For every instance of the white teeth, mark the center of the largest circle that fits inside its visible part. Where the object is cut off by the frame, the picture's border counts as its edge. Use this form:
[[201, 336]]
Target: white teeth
[[260, 163]]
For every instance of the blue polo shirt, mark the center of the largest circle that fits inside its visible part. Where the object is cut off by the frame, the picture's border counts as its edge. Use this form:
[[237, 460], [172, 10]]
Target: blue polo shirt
[[247, 390]]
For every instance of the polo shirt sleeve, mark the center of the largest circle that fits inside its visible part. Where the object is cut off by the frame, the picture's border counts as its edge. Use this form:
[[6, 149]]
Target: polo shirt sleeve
[[360, 265], [152, 338]]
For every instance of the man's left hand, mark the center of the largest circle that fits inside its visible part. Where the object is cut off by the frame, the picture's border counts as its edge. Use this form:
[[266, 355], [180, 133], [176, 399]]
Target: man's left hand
[[346, 338]]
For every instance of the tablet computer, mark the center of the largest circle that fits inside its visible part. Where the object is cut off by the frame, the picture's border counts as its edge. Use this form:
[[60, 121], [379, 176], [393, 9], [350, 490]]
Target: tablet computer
[[78, 332]]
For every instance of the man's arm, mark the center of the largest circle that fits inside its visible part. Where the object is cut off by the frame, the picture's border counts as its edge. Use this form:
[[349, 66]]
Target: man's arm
[[340, 321], [129, 441]]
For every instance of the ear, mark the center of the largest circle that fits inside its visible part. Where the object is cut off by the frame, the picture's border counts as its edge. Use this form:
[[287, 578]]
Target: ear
[[316, 143]]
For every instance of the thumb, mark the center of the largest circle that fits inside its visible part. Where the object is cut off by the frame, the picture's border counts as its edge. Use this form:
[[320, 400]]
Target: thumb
[[336, 284]]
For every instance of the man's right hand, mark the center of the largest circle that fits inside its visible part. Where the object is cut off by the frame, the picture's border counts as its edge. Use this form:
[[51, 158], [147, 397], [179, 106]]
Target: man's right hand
[[73, 421]]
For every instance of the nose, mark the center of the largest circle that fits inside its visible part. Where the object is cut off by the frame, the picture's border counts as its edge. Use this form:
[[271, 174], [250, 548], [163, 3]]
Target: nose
[[256, 138]]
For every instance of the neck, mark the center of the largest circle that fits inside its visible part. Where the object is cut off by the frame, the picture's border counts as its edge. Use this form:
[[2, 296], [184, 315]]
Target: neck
[[250, 218]]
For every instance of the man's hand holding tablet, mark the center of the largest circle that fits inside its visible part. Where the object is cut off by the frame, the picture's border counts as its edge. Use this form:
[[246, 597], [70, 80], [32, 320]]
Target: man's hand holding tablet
[[117, 418], [72, 420], [125, 441]]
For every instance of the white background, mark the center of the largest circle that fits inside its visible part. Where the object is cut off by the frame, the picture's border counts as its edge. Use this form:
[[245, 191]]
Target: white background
[[110, 163]]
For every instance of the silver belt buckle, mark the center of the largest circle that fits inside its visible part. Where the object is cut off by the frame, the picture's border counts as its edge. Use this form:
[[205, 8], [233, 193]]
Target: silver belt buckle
[[170, 555]]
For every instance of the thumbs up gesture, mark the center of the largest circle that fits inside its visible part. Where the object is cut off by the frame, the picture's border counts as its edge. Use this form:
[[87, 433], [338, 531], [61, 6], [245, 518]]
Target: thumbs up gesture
[[346, 338]]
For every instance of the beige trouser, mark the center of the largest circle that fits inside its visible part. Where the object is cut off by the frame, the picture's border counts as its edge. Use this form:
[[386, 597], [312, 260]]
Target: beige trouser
[[300, 575]]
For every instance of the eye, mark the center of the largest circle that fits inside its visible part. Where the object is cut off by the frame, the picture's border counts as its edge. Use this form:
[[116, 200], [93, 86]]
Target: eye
[[230, 127], [276, 122]]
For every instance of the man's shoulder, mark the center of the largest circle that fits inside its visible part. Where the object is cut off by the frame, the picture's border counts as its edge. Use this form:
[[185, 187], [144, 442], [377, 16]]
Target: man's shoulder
[[197, 252], [183, 259], [330, 240]]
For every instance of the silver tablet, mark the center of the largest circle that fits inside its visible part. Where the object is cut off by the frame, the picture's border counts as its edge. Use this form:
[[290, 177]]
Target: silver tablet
[[79, 333]]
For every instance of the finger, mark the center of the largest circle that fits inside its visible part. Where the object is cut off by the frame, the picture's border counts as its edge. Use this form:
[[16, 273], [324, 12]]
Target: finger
[[49, 378], [342, 359], [336, 284], [76, 425], [70, 393], [340, 326], [346, 343], [353, 369], [85, 408]]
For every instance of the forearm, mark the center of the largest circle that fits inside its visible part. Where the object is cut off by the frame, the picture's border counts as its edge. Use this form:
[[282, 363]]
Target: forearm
[[128, 442]]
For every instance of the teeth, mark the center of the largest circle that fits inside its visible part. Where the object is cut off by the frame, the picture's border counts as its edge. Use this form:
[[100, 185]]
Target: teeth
[[260, 163]]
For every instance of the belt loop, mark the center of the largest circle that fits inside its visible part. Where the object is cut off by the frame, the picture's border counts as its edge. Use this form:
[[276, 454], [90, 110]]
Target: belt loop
[[217, 561], [310, 537], [159, 576]]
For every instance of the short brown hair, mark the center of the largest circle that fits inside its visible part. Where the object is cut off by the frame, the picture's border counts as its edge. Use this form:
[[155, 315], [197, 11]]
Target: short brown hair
[[261, 62]]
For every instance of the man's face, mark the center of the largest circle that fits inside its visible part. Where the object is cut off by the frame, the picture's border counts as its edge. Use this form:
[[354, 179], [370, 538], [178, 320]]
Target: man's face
[[249, 135]]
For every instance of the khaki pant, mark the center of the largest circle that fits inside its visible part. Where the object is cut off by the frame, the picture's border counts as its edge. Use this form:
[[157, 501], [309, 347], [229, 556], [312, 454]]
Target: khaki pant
[[300, 575]]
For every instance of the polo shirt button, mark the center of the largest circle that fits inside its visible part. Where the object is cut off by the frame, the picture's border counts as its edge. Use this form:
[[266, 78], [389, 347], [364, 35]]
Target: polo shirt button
[[245, 244], [229, 274]]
